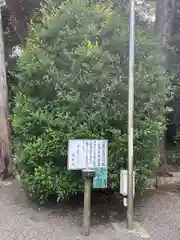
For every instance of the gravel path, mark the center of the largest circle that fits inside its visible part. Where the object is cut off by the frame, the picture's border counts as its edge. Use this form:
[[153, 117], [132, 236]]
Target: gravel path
[[157, 211]]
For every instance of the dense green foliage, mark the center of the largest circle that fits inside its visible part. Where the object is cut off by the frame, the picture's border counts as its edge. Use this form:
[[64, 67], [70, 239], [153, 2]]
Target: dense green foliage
[[73, 83]]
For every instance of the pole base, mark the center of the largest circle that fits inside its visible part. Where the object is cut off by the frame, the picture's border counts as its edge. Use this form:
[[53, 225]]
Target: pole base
[[85, 232]]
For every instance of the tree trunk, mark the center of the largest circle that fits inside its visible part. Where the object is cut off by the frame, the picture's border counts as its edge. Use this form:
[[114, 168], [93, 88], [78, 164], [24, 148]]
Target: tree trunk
[[18, 17], [4, 129], [165, 13], [163, 153]]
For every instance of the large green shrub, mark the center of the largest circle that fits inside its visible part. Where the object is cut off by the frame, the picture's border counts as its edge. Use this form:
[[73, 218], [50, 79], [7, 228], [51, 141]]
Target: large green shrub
[[73, 83]]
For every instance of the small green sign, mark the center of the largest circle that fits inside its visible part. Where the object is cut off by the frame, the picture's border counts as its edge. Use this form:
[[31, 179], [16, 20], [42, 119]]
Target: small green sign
[[100, 179]]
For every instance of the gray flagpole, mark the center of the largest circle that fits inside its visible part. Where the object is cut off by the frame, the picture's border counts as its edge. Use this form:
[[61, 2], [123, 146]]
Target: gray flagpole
[[131, 115]]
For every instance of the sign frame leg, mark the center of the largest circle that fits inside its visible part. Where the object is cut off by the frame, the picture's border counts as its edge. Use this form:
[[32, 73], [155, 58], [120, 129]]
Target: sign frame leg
[[88, 176]]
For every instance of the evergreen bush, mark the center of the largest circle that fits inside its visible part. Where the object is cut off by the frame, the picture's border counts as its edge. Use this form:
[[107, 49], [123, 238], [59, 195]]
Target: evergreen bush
[[73, 83]]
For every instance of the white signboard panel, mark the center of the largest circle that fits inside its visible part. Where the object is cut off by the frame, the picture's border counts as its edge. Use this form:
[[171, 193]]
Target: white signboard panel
[[87, 154]]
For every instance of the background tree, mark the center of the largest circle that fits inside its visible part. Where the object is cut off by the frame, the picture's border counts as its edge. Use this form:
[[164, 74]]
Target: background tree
[[164, 27], [165, 16], [5, 150], [20, 12]]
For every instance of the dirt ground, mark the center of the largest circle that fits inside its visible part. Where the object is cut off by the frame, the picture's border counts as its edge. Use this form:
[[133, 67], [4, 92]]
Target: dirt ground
[[157, 211]]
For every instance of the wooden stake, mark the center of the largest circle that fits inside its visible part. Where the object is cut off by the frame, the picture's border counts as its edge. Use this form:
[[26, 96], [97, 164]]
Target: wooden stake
[[87, 206]]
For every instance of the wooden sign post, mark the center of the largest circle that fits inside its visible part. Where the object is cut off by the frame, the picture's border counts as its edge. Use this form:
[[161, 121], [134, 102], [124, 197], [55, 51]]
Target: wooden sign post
[[88, 176], [90, 156]]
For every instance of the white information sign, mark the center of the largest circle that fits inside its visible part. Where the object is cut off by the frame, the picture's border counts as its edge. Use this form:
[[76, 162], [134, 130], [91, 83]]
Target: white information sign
[[87, 154]]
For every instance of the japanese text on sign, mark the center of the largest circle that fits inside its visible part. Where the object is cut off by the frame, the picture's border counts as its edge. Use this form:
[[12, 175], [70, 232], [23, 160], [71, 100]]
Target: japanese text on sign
[[87, 154]]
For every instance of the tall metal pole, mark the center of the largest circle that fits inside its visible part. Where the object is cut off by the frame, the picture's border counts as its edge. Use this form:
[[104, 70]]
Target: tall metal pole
[[131, 115]]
